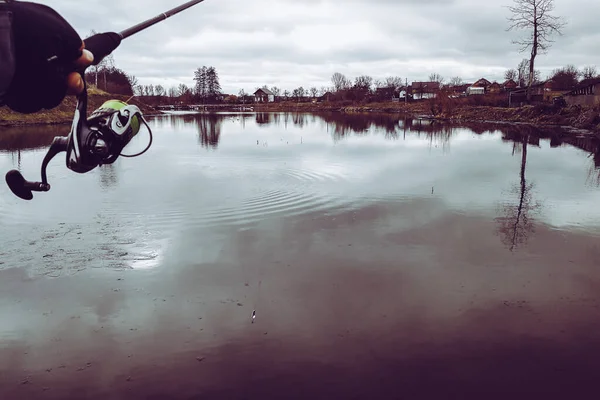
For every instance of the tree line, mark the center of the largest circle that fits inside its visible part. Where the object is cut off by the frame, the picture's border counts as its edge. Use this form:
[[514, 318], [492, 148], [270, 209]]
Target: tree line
[[533, 16]]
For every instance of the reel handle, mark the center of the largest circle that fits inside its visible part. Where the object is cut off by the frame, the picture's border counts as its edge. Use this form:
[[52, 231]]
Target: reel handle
[[23, 188]]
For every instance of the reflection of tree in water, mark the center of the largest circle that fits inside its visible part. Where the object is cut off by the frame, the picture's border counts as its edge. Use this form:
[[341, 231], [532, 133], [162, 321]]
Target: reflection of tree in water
[[209, 130], [437, 133], [517, 223]]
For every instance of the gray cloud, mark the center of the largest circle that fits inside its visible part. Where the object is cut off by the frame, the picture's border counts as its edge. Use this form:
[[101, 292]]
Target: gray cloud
[[289, 43]]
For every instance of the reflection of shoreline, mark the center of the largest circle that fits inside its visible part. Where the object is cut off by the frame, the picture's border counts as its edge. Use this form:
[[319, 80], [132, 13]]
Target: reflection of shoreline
[[339, 125], [29, 137]]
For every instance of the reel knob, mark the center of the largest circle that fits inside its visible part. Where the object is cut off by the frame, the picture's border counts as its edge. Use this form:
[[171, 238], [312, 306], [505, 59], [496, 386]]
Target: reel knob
[[23, 188]]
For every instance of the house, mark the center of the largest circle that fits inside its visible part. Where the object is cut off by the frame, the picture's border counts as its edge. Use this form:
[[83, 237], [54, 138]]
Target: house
[[387, 94], [264, 95], [479, 87], [484, 83], [554, 89], [327, 96], [518, 97], [509, 84], [424, 90], [494, 88], [587, 93]]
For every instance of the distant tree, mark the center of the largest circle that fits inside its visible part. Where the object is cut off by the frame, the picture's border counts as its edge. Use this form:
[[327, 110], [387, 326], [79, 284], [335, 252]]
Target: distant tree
[[172, 92], [565, 78], [589, 72], [213, 86], [340, 82], [436, 78], [276, 91], [363, 82], [511, 74], [323, 90], [207, 82], [298, 92], [534, 17], [523, 73], [314, 91], [393, 82], [456, 81], [200, 76], [159, 90], [286, 94]]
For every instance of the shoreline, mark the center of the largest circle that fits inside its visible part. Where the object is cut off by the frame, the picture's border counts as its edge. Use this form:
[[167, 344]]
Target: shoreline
[[573, 118]]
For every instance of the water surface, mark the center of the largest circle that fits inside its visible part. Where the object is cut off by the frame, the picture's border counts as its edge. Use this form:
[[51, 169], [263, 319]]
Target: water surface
[[384, 257]]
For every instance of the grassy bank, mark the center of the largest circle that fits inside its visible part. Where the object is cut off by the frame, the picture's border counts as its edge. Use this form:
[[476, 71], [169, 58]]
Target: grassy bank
[[587, 118], [63, 114]]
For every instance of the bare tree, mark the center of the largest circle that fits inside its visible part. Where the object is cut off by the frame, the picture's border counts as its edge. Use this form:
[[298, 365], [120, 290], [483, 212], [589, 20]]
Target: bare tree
[[363, 82], [436, 78], [393, 82], [276, 91], [340, 82], [314, 91], [589, 72], [456, 81], [523, 74], [534, 16], [511, 74]]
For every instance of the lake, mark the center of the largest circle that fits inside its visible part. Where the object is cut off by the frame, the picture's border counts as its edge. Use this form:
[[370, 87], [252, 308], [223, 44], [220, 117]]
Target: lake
[[381, 258]]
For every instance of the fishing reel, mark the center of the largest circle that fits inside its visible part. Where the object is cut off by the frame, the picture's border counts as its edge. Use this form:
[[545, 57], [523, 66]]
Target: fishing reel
[[92, 142]]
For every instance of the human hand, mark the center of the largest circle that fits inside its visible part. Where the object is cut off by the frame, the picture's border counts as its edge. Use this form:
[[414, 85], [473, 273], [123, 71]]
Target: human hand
[[40, 34]]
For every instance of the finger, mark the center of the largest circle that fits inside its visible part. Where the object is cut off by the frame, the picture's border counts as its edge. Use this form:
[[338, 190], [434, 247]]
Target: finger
[[86, 59], [75, 83]]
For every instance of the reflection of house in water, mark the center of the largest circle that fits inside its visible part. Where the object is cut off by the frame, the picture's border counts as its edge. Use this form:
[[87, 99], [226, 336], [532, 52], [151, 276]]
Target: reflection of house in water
[[263, 118]]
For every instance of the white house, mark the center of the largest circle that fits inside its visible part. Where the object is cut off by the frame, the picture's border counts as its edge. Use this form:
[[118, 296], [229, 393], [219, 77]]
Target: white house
[[264, 95]]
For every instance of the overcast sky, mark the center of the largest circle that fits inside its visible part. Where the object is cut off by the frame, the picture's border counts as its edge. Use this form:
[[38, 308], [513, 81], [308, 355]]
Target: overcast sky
[[289, 43]]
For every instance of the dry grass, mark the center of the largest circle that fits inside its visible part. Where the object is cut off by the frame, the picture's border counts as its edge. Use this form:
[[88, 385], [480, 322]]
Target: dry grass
[[63, 114]]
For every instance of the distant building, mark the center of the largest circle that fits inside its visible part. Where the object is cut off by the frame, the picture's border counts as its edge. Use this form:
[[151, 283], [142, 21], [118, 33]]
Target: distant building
[[327, 96], [509, 84], [587, 93], [475, 90], [424, 90], [264, 95], [484, 83], [494, 87], [480, 87]]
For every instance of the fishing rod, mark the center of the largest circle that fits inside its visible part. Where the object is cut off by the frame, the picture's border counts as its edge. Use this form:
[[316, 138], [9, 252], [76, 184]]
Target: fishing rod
[[100, 138]]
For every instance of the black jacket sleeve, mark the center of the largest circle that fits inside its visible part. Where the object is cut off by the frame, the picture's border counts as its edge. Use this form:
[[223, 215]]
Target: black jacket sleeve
[[7, 53]]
